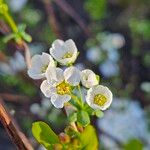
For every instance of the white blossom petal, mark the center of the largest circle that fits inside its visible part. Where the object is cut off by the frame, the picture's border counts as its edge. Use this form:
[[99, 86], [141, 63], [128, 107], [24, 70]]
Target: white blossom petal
[[99, 89], [39, 64], [54, 75], [88, 78], [59, 100], [64, 52], [72, 76], [47, 89]]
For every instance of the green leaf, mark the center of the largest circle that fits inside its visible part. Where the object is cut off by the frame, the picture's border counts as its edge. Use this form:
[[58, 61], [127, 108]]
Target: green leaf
[[98, 113], [133, 144], [83, 118], [44, 134], [89, 138], [22, 27], [26, 37], [9, 37], [98, 78], [73, 117]]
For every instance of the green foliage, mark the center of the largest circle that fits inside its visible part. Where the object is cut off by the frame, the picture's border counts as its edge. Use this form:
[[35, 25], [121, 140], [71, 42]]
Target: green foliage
[[98, 113], [96, 8], [44, 134], [140, 27], [146, 59], [89, 139], [72, 117], [83, 118], [134, 144], [19, 84], [31, 16], [21, 34]]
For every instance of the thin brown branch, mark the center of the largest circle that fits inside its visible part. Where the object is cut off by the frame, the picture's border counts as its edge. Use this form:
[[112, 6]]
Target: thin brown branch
[[52, 18], [18, 138], [27, 54], [14, 98], [72, 13]]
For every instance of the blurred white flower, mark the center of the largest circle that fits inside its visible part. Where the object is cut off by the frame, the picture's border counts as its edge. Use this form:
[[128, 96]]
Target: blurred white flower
[[35, 108], [16, 5], [145, 86], [112, 41], [94, 54], [118, 40], [89, 78], [6, 69], [109, 68], [64, 52], [58, 84], [99, 97], [125, 120], [17, 62], [40, 64], [113, 55]]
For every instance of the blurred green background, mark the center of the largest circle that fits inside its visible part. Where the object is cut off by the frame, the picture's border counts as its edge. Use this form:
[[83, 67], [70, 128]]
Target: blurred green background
[[113, 37]]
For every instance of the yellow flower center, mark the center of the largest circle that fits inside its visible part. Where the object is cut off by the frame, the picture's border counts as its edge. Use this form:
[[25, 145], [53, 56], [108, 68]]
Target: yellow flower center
[[43, 70], [100, 100], [63, 88], [67, 55]]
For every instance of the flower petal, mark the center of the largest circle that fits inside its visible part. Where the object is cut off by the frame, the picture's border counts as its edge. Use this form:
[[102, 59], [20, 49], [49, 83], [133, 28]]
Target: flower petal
[[88, 78], [57, 50], [47, 59], [99, 89], [70, 46], [59, 100], [47, 89], [35, 73], [72, 76], [54, 75]]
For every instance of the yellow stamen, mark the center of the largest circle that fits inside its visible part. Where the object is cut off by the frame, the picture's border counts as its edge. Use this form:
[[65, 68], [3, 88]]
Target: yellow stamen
[[43, 70], [100, 100], [63, 88], [67, 55]]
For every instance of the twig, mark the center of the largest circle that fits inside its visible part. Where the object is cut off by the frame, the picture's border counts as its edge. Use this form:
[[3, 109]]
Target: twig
[[14, 98], [52, 18], [18, 138], [71, 12], [27, 54]]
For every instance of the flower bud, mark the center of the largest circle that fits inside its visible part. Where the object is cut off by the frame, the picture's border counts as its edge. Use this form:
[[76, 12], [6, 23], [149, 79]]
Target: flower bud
[[58, 146], [64, 138]]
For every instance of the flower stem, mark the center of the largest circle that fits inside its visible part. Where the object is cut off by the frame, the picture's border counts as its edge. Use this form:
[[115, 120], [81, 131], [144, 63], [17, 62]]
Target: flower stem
[[11, 22], [75, 98], [81, 96]]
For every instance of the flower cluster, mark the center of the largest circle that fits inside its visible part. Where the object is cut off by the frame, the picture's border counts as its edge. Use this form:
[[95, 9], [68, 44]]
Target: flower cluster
[[59, 84]]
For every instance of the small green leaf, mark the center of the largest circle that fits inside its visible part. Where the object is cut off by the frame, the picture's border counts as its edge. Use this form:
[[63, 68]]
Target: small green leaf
[[9, 37], [83, 118], [133, 144], [89, 138], [73, 117], [26, 37], [98, 78], [98, 113], [21, 27], [44, 134]]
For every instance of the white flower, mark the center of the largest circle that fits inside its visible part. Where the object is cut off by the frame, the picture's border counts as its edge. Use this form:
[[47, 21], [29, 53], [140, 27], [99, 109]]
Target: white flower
[[64, 52], [99, 97], [39, 65], [89, 78], [58, 85]]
